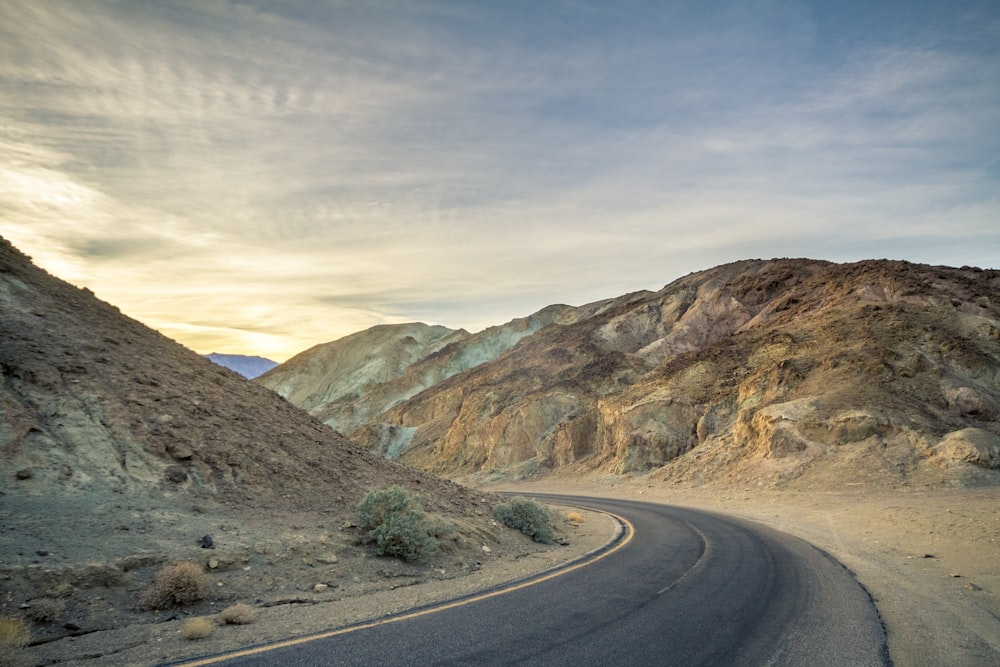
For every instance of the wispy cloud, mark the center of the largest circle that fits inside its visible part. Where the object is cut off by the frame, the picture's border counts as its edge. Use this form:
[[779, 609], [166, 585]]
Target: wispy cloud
[[260, 177]]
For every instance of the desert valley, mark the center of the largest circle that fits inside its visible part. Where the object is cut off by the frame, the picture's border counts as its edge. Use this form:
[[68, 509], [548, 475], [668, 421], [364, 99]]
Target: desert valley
[[853, 405]]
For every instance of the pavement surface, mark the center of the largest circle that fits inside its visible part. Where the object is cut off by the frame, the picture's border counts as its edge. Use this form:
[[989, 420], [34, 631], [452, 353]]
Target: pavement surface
[[686, 588]]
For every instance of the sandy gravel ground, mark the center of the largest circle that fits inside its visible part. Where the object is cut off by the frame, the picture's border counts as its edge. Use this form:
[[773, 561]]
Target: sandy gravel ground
[[381, 586], [930, 559]]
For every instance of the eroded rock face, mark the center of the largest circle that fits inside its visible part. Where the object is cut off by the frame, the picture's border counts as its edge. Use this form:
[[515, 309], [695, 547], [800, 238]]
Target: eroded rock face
[[971, 445], [794, 364], [350, 381]]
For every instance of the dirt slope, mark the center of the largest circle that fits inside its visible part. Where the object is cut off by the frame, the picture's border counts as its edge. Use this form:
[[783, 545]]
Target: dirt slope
[[120, 449]]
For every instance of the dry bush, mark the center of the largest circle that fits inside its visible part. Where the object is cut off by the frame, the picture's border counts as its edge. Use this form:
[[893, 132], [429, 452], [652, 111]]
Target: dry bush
[[238, 614], [574, 517], [14, 632], [198, 627], [176, 586]]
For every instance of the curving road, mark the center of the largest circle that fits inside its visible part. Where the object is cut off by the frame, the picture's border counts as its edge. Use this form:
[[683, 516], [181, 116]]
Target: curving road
[[690, 588]]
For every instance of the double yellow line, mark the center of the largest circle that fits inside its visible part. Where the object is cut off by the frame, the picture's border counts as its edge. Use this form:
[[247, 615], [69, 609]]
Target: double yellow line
[[623, 535]]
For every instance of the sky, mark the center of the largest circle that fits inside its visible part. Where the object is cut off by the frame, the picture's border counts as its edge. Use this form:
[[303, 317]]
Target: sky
[[254, 177]]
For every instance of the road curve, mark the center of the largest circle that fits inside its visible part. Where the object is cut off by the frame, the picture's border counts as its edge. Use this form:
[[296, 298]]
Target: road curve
[[691, 588]]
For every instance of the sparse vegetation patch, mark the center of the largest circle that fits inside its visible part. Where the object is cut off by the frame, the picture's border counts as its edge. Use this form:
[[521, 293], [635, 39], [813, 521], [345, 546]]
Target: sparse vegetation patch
[[176, 585], [238, 614], [397, 524], [198, 627], [527, 516]]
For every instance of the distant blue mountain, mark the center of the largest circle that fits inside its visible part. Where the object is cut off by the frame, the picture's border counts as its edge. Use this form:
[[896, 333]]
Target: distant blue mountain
[[248, 367]]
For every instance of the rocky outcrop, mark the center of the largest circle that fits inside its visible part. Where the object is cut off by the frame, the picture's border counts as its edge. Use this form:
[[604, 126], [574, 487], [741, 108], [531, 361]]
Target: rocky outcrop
[[770, 370], [335, 381], [350, 381]]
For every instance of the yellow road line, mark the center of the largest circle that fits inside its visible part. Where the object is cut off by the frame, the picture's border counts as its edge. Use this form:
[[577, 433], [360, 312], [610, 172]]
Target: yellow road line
[[623, 522]]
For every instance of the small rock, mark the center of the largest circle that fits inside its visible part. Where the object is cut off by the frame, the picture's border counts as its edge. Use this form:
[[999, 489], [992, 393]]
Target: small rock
[[180, 451], [213, 563], [487, 550], [955, 575], [206, 542], [972, 587], [25, 473], [319, 588], [328, 559], [928, 555], [41, 552]]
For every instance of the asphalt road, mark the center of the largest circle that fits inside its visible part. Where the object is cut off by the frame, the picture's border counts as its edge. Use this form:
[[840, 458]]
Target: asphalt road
[[690, 588]]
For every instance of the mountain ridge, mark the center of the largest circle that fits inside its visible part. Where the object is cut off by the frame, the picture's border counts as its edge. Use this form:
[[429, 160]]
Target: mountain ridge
[[796, 358], [249, 366]]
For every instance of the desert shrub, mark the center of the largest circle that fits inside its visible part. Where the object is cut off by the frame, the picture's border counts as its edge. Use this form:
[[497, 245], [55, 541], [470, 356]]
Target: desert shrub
[[377, 505], [198, 627], [574, 517], [527, 516], [14, 632], [176, 586], [397, 524], [238, 614]]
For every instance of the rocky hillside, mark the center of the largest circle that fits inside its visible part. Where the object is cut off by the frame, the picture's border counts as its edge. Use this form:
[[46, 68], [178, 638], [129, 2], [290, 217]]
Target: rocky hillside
[[768, 372], [121, 450], [92, 399], [352, 380]]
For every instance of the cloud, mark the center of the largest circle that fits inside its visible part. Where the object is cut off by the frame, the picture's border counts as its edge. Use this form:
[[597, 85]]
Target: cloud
[[280, 174]]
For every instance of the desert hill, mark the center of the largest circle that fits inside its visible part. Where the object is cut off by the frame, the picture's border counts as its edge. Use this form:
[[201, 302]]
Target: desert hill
[[94, 400], [348, 382], [766, 372], [121, 449]]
